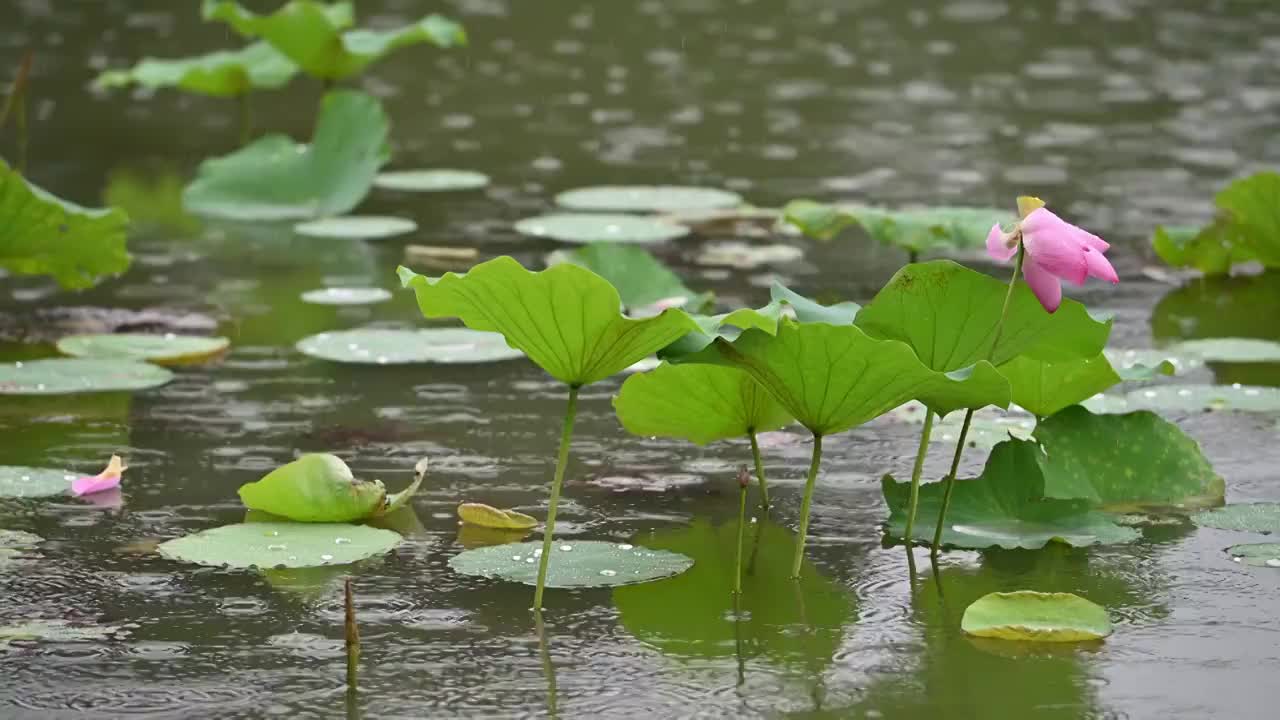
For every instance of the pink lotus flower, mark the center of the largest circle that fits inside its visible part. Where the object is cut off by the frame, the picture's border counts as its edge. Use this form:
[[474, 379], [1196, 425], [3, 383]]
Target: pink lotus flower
[[1055, 250], [105, 480]]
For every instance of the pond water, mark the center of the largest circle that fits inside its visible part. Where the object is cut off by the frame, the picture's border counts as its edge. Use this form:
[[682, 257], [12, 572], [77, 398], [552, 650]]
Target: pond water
[[1122, 114]]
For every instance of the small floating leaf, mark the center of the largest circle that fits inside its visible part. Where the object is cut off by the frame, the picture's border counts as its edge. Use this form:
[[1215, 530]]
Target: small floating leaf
[[314, 488], [1206, 397], [576, 564], [1256, 554], [1231, 350], [165, 349], [356, 227], [746, 256], [1246, 517], [280, 545], [433, 180], [395, 347], [492, 517], [1036, 616], [646, 198], [60, 376], [55, 631], [25, 482], [600, 227], [347, 296]]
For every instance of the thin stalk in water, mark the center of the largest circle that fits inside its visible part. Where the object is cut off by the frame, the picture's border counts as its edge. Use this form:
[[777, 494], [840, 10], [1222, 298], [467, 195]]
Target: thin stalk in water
[[246, 117], [764, 485], [950, 481], [562, 460], [352, 634], [744, 481], [809, 482], [16, 102], [548, 668], [915, 476]]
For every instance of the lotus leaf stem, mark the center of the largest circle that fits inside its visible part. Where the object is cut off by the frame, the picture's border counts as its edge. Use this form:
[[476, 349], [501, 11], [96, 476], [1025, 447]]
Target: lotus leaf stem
[[743, 482], [764, 484], [352, 634], [814, 463], [562, 460]]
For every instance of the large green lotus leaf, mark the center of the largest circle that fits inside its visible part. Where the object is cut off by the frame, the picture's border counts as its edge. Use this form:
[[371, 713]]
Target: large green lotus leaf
[[788, 622], [698, 403], [60, 376], [1252, 205], [41, 234], [1245, 517], [948, 314], [1004, 507], [1037, 617], [914, 230], [226, 73], [315, 36], [275, 178], [1212, 249], [280, 545], [576, 563], [1124, 461], [17, 481], [565, 318], [640, 278], [317, 488], [727, 326], [817, 220], [1043, 387], [809, 310]]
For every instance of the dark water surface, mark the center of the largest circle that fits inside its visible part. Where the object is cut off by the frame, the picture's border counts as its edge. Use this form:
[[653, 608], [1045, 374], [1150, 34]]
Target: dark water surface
[[1122, 114]]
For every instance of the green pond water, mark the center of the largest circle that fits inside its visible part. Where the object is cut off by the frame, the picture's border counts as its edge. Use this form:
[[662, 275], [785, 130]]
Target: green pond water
[[1121, 114]]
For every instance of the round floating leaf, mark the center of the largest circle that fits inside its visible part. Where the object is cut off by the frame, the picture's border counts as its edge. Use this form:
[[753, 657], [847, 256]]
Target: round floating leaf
[[1004, 507], [395, 347], [347, 296], [575, 564], [314, 488], [220, 74], [646, 198], [600, 227], [55, 631], [434, 180], [487, 516], [280, 545], [1036, 616], [59, 376], [356, 227], [1255, 517], [25, 482], [988, 427], [1206, 397], [275, 178], [746, 256], [165, 349], [1256, 554], [698, 403], [1124, 359], [565, 318], [1232, 350]]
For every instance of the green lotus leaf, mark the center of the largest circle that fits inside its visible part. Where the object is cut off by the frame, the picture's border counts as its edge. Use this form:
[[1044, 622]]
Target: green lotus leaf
[[165, 349], [375, 346], [274, 178], [17, 481], [314, 488], [646, 198], [1044, 387], [565, 318], [315, 35], [1037, 617], [268, 545], [1229, 350], [1239, 306], [914, 230], [1256, 554], [640, 278], [356, 227], [1252, 208], [809, 310], [790, 623], [698, 403], [1004, 507], [1123, 462], [60, 376], [578, 563], [1245, 517], [45, 235], [1212, 249], [226, 73], [1200, 398], [727, 326], [817, 220]]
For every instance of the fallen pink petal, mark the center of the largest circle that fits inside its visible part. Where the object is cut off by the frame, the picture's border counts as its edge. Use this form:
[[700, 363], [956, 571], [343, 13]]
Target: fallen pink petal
[[105, 480]]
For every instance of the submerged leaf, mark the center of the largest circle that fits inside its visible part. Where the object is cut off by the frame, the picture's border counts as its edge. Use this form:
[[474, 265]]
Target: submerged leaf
[[491, 517], [1198, 398], [275, 178], [60, 376], [45, 235], [24, 482], [578, 564], [280, 545], [1230, 350], [698, 403], [565, 318], [646, 198], [225, 73], [314, 488], [1245, 517], [1036, 616], [1256, 554]]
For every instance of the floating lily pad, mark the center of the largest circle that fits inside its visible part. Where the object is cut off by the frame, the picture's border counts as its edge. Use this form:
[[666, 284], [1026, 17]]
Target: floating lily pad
[[165, 349], [1124, 358], [59, 376], [280, 545], [1232, 350], [1036, 616], [576, 564], [1206, 397], [988, 427], [646, 198], [25, 482], [396, 347], [347, 296], [487, 516], [434, 180], [357, 227], [600, 227], [55, 631], [746, 256], [1248, 517], [1256, 554]]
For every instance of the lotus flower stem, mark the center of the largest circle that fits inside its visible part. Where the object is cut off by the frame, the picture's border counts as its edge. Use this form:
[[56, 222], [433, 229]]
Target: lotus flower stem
[[744, 481], [352, 633], [562, 460], [968, 415], [915, 477], [764, 484], [548, 668], [814, 463]]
